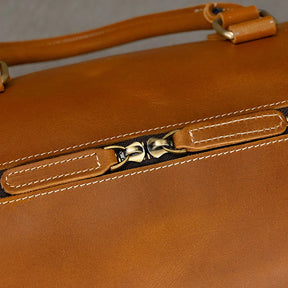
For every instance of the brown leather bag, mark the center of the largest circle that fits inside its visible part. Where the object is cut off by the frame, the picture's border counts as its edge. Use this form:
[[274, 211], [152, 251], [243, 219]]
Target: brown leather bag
[[160, 168]]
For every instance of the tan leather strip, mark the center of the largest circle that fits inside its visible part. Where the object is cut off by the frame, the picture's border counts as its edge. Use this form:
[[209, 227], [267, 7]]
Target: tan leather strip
[[254, 29], [58, 170], [187, 19], [239, 15], [228, 131]]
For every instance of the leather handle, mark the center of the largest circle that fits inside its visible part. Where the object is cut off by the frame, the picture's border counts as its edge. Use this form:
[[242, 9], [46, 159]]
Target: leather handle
[[188, 19], [223, 132], [58, 170]]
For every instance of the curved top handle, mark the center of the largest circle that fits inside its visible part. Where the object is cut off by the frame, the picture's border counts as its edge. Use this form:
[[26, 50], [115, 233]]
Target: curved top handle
[[199, 17], [187, 19]]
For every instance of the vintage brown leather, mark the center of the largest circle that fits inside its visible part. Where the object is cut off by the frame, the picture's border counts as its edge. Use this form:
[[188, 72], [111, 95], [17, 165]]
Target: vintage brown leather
[[239, 15], [228, 131], [253, 29], [54, 171], [187, 19], [211, 219], [169, 85], [215, 220]]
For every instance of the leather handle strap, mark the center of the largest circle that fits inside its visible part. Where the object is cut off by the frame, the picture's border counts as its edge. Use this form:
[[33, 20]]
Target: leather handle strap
[[188, 19], [223, 132], [58, 170]]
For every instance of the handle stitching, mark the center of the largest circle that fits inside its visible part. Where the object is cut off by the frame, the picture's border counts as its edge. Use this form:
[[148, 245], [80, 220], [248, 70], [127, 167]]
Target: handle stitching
[[147, 170], [143, 131], [235, 134], [54, 177]]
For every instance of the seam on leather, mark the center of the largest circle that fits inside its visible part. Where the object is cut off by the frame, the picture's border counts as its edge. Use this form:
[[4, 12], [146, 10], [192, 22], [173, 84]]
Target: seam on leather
[[143, 131], [235, 134], [148, 170], [54, 177]]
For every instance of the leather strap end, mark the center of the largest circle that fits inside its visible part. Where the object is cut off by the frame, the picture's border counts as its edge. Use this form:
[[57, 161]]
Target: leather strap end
[[254, 29], [224, 132], [57, 170], [199, 17]]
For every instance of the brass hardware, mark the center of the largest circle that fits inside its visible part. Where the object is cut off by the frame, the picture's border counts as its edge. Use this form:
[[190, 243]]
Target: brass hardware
[[158, 147], [264, 13], [155, 147], [217, 26], [135, 152], [5, 77]]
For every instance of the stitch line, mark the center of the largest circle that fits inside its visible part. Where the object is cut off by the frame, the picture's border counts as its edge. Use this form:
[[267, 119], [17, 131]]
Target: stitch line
[[236, 134], [54, 177], [56, 163], [143, 131], [147, 170], [191, 132], [238, 120]]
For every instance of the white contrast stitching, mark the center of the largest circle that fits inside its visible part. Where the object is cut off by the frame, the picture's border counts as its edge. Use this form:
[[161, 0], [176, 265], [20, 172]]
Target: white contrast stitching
[[143, 131], [54, 177], [146, 170], [235, 134], [238, 120], [56, 163]]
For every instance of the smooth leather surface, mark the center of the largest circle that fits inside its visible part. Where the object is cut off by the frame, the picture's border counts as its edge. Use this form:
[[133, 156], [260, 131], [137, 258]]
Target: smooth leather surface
[[104, 101], [228, 131], [215, 220]]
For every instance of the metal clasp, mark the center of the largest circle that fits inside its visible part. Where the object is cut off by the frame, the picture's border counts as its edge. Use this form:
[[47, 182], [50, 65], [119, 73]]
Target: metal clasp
[[157, 147], [217, 26], [5, 77], [134, 152]]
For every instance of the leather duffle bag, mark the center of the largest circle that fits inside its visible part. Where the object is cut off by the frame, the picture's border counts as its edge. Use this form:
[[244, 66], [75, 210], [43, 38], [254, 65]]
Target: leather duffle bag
[[159, 168]]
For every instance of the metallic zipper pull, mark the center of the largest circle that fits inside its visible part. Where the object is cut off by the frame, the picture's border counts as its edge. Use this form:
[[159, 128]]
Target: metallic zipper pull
[[157, 147], [134, 152], [4, 75], [196, 137]]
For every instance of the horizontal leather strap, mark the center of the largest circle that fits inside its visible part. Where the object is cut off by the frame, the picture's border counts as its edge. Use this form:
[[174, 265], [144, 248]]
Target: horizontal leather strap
[[193, 18], [228, 131], [58, 170]]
